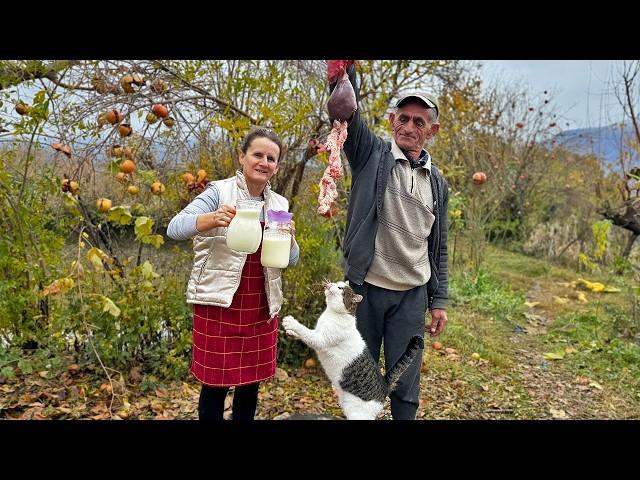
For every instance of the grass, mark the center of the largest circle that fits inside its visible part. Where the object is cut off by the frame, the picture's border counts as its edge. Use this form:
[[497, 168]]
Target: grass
[[597, 376], [596, 373]]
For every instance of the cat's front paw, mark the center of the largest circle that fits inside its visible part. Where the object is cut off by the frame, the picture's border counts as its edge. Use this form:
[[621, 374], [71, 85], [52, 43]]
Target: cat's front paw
[[290, 325]]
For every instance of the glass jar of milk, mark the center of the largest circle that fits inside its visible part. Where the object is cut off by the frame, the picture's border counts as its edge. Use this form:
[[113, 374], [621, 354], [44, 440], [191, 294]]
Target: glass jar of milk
[[244, 233], [276, 239]]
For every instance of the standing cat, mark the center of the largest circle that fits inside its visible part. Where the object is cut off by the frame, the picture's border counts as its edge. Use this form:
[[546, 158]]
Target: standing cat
[[354, 374]]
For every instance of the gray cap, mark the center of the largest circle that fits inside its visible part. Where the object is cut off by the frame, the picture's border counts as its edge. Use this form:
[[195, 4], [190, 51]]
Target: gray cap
[[425, 98]]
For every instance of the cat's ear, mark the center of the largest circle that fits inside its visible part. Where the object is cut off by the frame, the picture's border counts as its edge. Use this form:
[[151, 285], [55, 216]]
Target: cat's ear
[[357, 298]]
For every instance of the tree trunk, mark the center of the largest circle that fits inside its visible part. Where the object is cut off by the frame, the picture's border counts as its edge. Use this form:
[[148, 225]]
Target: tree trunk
[[627, 249], [627, 217]]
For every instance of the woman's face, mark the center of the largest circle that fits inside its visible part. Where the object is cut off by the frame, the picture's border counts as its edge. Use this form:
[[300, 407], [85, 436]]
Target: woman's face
[[260, 162]]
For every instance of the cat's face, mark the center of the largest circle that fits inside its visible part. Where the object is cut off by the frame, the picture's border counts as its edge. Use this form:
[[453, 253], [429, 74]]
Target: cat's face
[[341, 298]]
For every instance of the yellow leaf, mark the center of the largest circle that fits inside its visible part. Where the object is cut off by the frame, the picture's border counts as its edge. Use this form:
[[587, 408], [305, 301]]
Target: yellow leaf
[[95, 256], [593, 286], [558, 413], [560, 301], [531, 304], [554, 355], [611, 290], [582, 297], [60, 285], [109, 306]]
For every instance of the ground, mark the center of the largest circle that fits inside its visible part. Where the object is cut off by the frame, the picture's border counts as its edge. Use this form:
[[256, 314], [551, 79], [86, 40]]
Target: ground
[[543, 350]]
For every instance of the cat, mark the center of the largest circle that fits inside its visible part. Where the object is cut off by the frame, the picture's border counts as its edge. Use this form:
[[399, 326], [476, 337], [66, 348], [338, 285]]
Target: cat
[[344, 356]]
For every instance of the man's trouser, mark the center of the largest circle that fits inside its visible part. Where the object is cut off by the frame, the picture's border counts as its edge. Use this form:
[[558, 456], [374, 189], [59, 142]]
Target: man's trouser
[[394, 317]]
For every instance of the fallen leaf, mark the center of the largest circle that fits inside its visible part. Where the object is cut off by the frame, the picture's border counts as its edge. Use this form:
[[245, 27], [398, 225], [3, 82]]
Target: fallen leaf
[[596, 385], [554, 355], [531, 304], [560, 300], [157, 407], [581, 380], [135, 375], [611, 290], [559, 414]]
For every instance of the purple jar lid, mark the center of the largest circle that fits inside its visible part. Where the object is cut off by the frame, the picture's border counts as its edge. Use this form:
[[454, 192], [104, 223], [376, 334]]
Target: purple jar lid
[[279, 216]]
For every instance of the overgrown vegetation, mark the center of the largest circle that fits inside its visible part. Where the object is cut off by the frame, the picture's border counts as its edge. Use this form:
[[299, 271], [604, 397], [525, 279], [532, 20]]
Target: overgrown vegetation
[[106, 289]]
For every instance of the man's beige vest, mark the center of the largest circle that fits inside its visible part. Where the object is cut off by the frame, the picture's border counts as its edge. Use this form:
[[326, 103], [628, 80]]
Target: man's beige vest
[[216, 272]]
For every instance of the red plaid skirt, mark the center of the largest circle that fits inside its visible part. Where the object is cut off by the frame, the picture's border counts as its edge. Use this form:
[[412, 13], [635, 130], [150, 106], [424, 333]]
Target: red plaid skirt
[[236, 345]]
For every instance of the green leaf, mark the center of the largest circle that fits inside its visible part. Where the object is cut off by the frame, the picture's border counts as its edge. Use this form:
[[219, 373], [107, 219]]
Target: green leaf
[[69, 200], [120, 214], [559, 355], [147, 271], [39, 97], [148, 176], [155, 240], [7, 372], [109, 306], [143, 227]]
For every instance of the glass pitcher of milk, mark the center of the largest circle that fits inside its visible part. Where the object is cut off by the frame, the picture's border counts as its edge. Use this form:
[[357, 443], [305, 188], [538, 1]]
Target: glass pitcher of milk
[[276, 239], [244, 233]]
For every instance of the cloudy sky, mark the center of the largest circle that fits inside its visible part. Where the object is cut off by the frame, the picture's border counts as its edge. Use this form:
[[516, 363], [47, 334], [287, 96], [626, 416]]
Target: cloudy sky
[[583, 89]]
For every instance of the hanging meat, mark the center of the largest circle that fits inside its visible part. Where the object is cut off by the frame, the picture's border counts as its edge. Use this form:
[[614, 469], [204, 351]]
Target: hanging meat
[[341, 107]]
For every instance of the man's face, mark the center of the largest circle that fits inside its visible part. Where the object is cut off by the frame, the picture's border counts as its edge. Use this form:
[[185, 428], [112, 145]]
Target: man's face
[[411, 127]]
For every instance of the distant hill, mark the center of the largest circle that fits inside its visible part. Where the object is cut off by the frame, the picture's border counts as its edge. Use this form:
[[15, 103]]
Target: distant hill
[[606, 143]]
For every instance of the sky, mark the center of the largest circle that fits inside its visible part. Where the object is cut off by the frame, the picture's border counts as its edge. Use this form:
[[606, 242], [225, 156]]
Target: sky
[[583, 89]]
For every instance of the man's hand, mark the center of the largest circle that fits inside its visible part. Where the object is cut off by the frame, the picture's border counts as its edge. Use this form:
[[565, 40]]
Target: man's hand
[[438, 321]]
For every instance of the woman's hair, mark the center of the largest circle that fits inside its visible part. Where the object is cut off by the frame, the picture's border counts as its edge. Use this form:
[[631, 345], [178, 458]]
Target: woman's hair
[[261, 132]]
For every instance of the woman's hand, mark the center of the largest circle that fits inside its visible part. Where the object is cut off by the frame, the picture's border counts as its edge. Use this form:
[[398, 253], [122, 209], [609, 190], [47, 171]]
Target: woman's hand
[[224, 215], [219, 218]]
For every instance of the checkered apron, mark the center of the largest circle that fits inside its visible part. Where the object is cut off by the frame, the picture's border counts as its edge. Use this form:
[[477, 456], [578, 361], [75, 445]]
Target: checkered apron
[[236, 345]]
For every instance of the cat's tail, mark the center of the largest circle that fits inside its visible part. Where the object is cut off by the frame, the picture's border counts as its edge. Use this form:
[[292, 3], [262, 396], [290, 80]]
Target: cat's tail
[[416, 344]]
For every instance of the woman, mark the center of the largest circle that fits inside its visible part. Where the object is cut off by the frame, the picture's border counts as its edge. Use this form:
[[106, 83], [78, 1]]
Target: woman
[[235, 300]]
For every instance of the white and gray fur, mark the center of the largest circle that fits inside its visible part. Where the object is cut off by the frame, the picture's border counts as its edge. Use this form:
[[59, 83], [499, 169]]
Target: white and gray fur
[[354, 374]]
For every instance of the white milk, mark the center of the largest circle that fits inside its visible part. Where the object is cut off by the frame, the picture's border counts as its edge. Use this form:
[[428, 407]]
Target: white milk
[[275, 250], [245, 232]]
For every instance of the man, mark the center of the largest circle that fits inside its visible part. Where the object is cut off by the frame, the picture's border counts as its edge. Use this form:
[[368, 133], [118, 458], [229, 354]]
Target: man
[[395, 246]]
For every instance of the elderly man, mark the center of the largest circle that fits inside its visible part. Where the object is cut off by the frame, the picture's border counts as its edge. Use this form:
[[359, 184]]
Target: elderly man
[[395, 246]]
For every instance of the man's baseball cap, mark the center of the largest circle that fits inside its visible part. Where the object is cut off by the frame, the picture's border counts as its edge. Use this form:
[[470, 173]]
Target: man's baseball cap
[[425, 98]]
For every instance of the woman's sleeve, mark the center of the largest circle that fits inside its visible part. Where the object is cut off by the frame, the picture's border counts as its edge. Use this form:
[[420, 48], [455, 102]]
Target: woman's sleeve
[[183, 225]]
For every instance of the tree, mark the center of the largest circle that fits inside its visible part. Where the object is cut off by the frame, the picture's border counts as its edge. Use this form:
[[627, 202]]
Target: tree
[[625, 211]]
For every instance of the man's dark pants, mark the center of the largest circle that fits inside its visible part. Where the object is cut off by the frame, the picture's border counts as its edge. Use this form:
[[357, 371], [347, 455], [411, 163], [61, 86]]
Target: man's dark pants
[[394, 317]]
